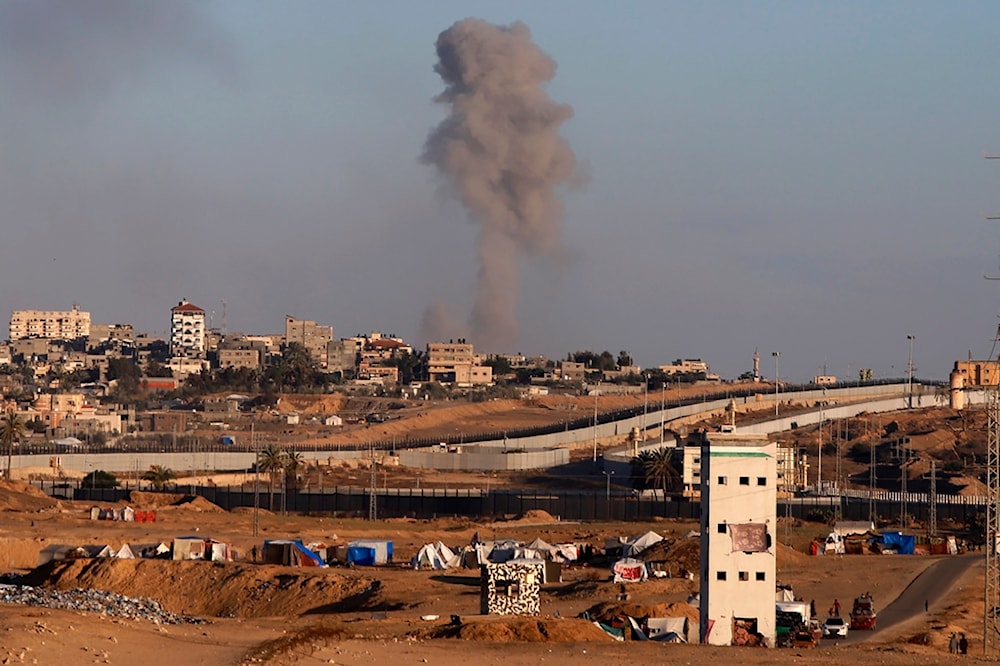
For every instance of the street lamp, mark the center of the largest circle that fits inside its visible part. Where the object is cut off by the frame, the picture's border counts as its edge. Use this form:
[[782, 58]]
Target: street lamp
[[909, 373], [775, 355], [607, 476]]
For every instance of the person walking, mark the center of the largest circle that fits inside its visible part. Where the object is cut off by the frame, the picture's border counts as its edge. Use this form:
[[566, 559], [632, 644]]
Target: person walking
[[836, 608], [963, 644], [953, 644], [812, 608]]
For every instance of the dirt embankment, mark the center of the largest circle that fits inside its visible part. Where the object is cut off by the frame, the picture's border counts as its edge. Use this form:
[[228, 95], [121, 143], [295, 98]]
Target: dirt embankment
[[214, 589]]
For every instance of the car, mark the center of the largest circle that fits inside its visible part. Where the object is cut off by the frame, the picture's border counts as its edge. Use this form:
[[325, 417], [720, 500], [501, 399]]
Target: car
[[835, 626]]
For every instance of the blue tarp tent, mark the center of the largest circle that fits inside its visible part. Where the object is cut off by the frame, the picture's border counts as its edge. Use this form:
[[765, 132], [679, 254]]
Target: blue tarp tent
[[901, 543], [369, 552], [290, 552]]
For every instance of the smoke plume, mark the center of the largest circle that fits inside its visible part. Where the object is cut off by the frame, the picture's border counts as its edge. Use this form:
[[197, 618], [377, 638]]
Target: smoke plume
[[500, 149]]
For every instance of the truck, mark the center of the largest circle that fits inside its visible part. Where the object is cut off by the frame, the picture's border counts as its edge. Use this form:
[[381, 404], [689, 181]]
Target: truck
[[863, 614], [791, 619]]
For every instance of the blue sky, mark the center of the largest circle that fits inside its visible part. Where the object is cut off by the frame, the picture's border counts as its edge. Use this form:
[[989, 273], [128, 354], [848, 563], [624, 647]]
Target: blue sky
[[796, 177]]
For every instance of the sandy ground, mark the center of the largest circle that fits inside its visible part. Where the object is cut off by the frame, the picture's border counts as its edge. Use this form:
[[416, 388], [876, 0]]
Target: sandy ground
[[302, 622]]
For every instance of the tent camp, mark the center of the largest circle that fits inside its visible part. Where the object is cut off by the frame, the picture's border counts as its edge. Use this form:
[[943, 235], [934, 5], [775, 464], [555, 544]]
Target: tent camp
[[369, 552], [435, 556], [290, 552]]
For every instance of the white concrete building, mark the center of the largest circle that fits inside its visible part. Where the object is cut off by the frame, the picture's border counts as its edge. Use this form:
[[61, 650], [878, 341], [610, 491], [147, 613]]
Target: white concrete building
[[187, 331], [738, 524]]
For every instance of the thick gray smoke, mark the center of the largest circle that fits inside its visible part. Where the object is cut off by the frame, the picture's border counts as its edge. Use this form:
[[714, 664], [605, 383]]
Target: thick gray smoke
[[501, 150]]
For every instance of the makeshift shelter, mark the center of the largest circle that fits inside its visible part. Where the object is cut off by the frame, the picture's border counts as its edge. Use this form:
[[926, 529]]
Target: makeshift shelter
[[290, 552], [896, 542], [640, 543], [199, 548], [511, 588], [54, 552], [667, 629], [142, 550], [91, 550], [369, 552], [629, 570], [501, 551], [435, 556]]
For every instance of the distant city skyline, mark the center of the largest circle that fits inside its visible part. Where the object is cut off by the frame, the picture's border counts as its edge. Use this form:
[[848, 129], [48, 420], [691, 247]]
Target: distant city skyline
[[805, 179]]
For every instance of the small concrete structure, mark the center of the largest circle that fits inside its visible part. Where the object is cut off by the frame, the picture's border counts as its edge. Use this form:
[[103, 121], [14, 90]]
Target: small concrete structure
[[511, 588]]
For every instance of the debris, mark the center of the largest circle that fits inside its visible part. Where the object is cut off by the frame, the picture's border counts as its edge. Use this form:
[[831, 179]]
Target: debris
[[97, 601]]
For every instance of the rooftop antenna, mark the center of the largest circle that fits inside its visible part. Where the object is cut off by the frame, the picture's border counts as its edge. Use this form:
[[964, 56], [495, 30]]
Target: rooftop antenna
[[223, 301]]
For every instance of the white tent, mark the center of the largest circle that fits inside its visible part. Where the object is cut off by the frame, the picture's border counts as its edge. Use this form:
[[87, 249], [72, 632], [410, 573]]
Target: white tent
[[641, 543], [434, 556], [628, 570]]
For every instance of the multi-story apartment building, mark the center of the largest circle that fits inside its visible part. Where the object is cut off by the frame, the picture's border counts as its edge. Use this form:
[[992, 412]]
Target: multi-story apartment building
[[456, 363], [50, 324], [310, 335], [187, 331], [343, 356], [101, 333]]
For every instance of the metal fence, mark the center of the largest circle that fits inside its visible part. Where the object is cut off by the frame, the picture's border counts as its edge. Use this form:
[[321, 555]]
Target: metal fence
[[574, 505]]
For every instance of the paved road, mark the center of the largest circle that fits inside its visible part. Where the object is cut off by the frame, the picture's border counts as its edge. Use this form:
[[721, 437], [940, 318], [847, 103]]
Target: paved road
[[930, 586]]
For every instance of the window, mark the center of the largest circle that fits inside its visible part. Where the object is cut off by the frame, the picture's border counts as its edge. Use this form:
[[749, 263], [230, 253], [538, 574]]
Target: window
[[744, 480], [721, 528], [761, 480], [744, 575], [697, 461], [722, 480], [760, 576], [720, 575]]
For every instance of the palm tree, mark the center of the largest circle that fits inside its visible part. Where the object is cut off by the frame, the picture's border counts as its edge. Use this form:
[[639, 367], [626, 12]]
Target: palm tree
[[293, 463], [271, 461], [159, 476], [11, 430], [659, 471]]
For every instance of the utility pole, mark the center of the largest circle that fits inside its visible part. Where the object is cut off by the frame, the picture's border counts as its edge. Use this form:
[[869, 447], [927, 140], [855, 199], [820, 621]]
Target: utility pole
[[909, 374], [819, 455], [256, 482], [932, 527], [372, 507], [991, 589], [663, 415], [775, 355], [871, 478], [597, 390]]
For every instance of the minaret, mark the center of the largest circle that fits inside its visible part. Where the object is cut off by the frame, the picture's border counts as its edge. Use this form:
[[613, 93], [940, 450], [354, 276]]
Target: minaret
[[756, 366]]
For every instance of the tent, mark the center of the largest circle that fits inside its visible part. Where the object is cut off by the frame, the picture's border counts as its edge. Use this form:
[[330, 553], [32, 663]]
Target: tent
[[903, 544], [640, 543], [369, 552], [668, 629], [628, 570], [142, 550], [290, 552], [54, 552], [434, 556], [198, 548]]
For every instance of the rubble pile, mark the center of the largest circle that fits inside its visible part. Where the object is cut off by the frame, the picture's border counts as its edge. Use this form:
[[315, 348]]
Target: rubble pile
[[94, 601]]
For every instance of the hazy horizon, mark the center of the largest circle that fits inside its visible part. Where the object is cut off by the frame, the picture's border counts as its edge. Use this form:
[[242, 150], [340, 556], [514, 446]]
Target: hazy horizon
[[800, 178]]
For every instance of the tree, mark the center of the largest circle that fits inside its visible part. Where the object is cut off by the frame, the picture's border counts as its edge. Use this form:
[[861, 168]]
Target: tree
[[293, 463], [159, 476], [657, 469], [100, 479], [11, 431], [271, 461]]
